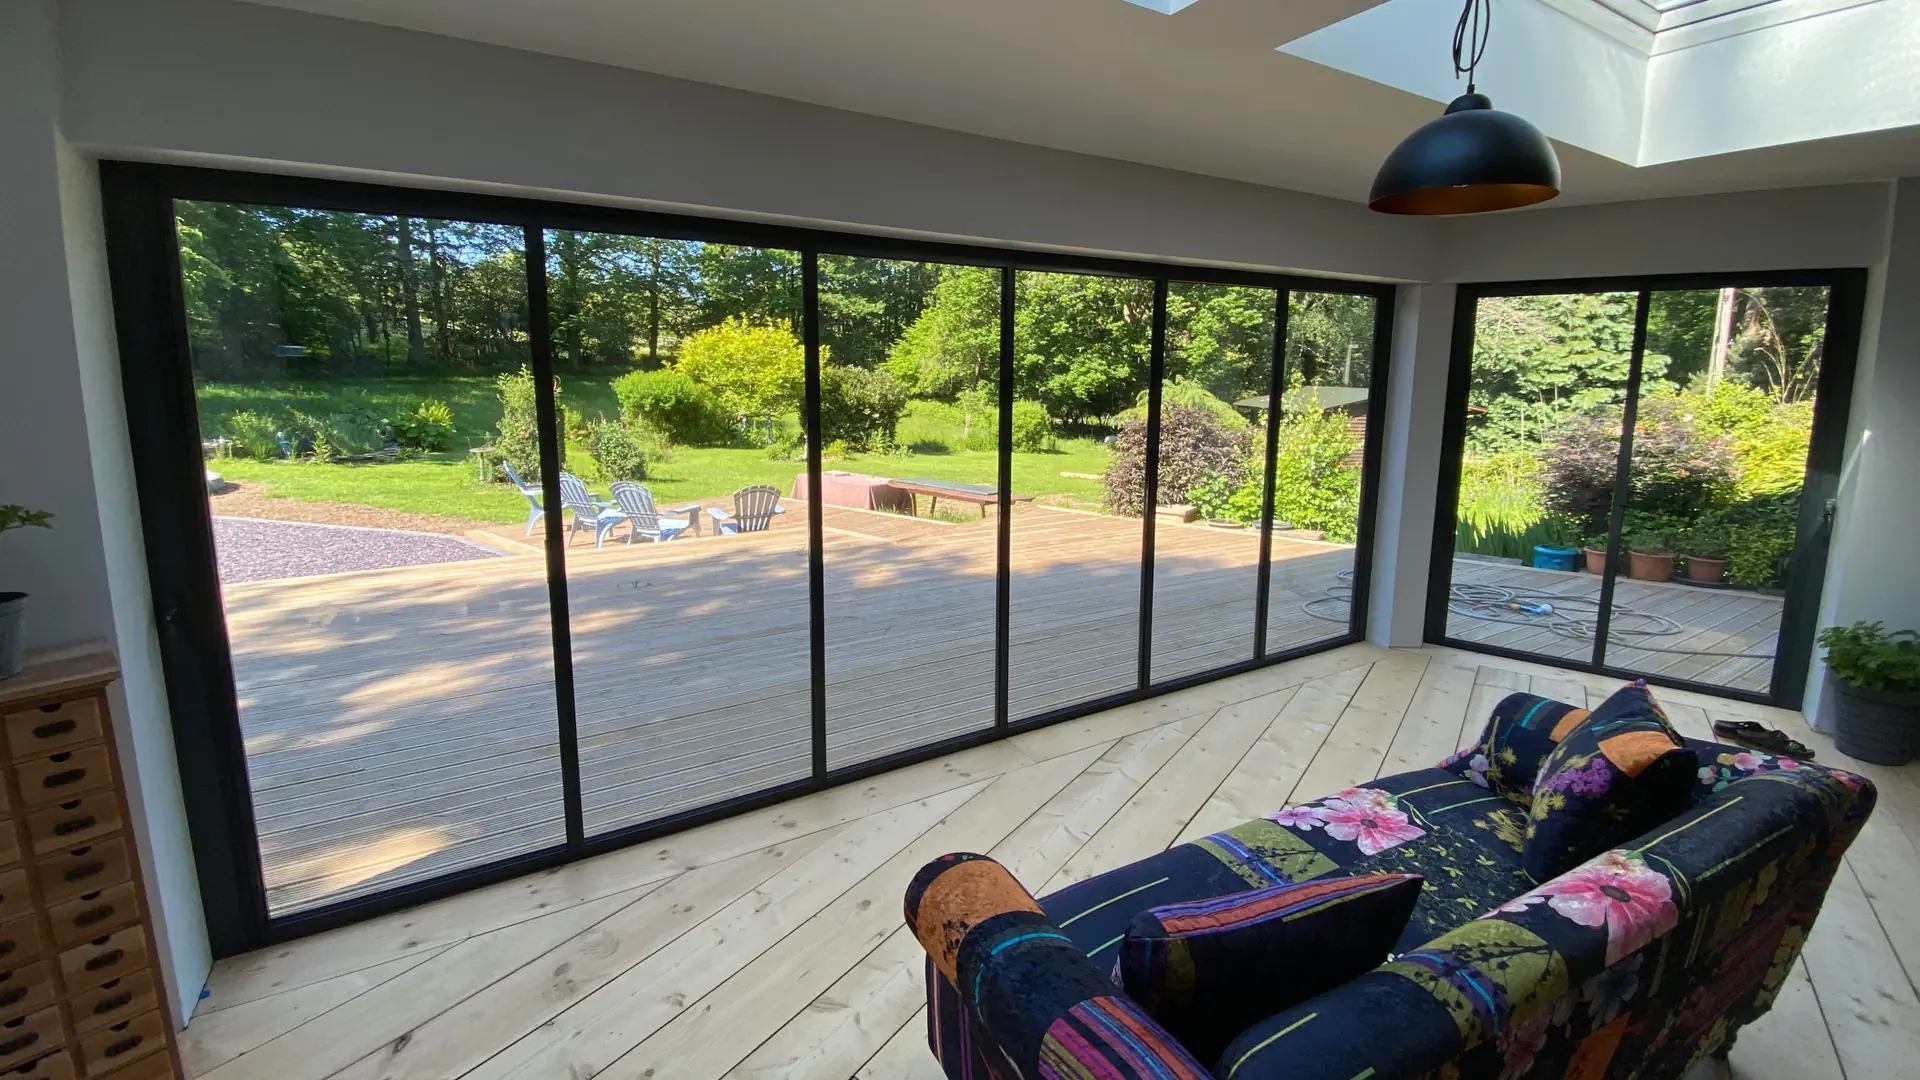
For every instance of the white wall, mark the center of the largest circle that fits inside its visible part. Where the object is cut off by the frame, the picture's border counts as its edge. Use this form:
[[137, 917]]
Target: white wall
[[1410, 463], [173, 79], [1791, 229], [63, 438], [1872, 572]]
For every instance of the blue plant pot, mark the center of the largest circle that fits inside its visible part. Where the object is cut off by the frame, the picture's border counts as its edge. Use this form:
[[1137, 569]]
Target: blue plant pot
[[1553, 558]]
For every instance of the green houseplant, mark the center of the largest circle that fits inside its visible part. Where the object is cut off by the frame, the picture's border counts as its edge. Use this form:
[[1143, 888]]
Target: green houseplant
[[1876, 684], [1706, 551], [13, 605], [1650, 556]]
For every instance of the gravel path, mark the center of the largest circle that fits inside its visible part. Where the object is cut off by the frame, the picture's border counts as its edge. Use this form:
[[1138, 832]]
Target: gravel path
[[253, 549]]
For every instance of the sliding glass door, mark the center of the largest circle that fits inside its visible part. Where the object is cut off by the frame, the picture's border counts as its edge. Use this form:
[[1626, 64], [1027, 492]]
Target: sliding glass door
[[488, 534], [1640, 474]]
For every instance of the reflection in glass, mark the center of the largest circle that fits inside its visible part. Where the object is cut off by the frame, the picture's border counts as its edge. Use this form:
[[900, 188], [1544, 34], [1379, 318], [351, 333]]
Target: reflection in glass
[[679, 374], [1321, 438], [1082, 347], [1544, 413], [1219, 363], [909, 418], [386, 603], [1721, 433]]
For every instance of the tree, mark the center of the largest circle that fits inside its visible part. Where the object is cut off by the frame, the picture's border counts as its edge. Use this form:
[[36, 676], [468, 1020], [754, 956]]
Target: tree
[[867, 304], [757, 371], [954, 344], [1540, 359], [1081, 343]]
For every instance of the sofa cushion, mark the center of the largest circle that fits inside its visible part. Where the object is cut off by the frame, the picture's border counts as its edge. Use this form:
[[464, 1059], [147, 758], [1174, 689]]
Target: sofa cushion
[[1522, 731], [1614, 776], [1208, 968]]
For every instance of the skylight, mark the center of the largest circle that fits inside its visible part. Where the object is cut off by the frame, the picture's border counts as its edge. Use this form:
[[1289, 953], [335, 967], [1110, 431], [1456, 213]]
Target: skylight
[[1164, 7], [1652, 81]]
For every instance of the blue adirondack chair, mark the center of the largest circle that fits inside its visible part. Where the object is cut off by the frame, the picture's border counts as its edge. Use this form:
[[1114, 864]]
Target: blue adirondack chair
[[753, 510], [534, 510], [636, 502], [587, 510]]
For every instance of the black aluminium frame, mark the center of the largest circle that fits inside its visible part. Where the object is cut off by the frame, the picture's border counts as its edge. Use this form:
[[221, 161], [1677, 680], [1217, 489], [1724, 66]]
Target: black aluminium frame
[[1806, 567], [144, 270]]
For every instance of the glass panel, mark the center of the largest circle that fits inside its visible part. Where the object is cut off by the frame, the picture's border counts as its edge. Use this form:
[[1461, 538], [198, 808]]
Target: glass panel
[[680, 374], [386, 604], [1317, 470], [1719, 455], [1537, 477], [909, 486], [1081, 352], [1213, 458]]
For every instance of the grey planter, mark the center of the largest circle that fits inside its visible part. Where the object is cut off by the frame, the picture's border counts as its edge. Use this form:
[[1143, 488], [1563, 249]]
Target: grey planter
[[13, 633], [1877, 726]]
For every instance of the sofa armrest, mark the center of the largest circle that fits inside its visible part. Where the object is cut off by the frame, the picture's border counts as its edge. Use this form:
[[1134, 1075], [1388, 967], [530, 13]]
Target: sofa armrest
[[1030, 990]]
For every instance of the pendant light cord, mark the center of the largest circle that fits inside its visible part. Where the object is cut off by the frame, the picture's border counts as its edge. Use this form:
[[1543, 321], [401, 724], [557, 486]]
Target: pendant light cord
[[1470, 38]]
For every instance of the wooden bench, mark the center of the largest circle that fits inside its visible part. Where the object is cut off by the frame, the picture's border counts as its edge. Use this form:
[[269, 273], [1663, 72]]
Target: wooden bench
[[980, 495]]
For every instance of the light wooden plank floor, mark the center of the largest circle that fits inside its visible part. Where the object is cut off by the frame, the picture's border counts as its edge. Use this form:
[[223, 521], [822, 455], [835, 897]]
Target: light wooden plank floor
[[770, 944], [399, 723]]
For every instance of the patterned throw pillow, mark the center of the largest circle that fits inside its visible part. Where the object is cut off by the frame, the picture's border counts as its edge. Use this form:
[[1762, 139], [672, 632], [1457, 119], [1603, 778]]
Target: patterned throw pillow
[[1523, 730], [1208, 969], [1618, 774]]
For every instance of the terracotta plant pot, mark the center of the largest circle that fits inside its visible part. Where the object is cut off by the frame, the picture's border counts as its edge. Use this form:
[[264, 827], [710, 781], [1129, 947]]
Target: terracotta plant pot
[[1596, 561], [1701, 568], [1650, 566]]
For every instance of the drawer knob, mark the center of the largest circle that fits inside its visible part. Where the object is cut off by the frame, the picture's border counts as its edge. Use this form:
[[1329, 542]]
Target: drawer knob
[[121, 1046], [107, 1005], [85, 870], [54, 727], [74, 825], [64, 777], [106, 959], [19, 1042], [97, 913]]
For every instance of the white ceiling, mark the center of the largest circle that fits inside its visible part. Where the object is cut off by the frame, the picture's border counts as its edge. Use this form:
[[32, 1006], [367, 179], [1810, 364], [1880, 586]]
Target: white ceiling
[[1202, 90]]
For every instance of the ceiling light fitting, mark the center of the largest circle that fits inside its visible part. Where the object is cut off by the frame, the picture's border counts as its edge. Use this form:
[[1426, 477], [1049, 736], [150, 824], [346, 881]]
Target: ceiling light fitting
[[1474, 158]]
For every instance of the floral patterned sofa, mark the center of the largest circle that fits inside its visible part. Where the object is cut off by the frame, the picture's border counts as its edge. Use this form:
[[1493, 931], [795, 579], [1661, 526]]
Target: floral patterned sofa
[[1637, 963]]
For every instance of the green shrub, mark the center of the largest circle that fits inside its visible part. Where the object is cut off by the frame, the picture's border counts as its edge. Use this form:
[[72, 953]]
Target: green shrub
[[755, 370], [980, 417], [672, 403], [932, 427], [1314, 485], [1869, 657], [860, 408], [1194, 445], [344, 434], [615, 449], [1500, 505], [517, 441], [1032, 428], [1218, 498], [253, 434], [429, 427], [1191, 394]]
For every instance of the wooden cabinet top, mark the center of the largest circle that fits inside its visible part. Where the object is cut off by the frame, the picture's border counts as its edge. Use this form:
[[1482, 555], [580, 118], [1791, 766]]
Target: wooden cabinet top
[[60, 670]]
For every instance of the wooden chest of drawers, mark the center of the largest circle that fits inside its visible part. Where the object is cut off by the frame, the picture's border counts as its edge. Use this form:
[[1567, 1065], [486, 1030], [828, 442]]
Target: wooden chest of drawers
[[80, 996]]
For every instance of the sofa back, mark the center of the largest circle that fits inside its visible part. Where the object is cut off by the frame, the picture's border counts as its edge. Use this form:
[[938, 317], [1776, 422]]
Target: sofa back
[[1639, 962]]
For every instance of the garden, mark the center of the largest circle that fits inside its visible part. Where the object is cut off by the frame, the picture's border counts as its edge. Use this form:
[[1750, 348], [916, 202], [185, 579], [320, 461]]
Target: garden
[[1720, 436], [381, 361]]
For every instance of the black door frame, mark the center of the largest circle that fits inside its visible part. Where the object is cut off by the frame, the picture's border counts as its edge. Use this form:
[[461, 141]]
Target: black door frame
[[144, 268], [1806, 570]]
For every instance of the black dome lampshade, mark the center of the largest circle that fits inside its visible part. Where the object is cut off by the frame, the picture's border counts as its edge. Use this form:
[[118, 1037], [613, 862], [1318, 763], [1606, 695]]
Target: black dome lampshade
[[1474, 158]]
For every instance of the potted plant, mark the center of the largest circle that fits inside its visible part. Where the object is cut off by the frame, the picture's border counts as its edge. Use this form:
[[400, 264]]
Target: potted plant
[[1555, 550], [1706, 552], [13, 605], [1876, 690], [1650, 557], [1596, 552]]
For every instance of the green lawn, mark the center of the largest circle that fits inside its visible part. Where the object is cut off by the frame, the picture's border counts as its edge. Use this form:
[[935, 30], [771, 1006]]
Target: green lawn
[[447, 484]]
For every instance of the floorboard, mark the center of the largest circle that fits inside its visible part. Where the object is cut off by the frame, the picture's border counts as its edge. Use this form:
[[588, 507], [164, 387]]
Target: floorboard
[[769, 944]]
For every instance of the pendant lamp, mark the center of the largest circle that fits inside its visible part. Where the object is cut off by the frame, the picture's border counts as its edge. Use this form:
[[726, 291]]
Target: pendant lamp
[[1474, 158]]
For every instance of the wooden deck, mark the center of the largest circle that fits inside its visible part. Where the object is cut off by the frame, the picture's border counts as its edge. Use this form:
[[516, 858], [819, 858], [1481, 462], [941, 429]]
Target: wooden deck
[[399, 723], [770, 945]]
